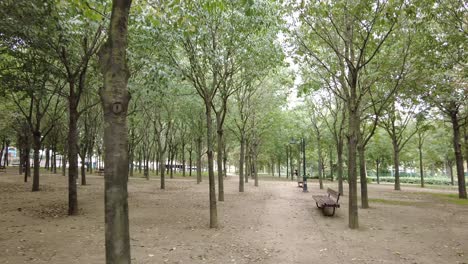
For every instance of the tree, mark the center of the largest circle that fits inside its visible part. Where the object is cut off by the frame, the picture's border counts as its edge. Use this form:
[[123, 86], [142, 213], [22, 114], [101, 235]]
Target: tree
[[397, 123], [423, 128], [445, 86], [114, 98], [353, 34], [75, 37], [317, 128], [32, 85], [205, 46]]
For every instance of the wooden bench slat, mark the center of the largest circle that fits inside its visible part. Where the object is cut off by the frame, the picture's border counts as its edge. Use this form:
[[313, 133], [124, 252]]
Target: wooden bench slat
[[333, 192], [323, 201]]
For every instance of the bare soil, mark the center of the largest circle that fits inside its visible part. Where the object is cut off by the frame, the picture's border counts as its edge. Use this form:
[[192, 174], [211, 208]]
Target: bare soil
[[274, 223]]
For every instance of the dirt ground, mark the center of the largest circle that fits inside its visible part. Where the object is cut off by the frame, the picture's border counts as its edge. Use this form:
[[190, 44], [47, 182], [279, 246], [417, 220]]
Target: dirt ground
[[275, 223]]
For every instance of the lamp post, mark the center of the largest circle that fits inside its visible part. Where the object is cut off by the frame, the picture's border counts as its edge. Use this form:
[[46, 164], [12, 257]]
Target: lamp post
[[287, 161], [304, 177]]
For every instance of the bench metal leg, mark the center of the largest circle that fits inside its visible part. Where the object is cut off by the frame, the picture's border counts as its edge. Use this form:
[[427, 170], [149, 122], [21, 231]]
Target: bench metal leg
[[324, 211]]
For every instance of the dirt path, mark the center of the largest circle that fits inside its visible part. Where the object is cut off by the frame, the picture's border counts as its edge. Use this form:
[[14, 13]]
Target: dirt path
[[275, 223]]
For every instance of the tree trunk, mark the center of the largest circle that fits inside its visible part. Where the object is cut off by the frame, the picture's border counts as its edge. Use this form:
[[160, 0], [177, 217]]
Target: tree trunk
[[319, 154], [21, 162], [331, 164], [47, 161], [450, 171], [131, 157], [279, 168], [199, 160], [219, 138], [353, 130], [190, 160], [421, 168], [83, 170], [363, 177], [139, 161], [246, 161], [54, 160], [224, 159], [183, 159], [254, 164], [287, 162], [27, 160], [64, 164], [114, 98], [72, 153], [241, 163], [458, 156], [146, 166], [162, 171], [377, 166], [396, 163], [211, 177], [37, 148], [291, 163], [172, 163], [1, 151], [5, 160]]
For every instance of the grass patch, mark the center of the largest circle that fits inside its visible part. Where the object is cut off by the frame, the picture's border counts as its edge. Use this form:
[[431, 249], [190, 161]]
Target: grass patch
[[450, 198], [392, 202]]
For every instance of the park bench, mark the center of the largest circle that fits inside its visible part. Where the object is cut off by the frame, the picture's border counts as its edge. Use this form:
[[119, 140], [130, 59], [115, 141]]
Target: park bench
[[328, 201], [100, 172], [2, 169]]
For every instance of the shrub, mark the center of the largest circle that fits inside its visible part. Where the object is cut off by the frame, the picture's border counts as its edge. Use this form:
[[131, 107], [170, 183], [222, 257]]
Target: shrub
[[413, 180]]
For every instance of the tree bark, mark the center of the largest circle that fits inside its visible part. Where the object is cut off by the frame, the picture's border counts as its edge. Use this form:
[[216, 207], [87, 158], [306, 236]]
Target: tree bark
[[458, 155], [331, 165], [353, 131], [114, 98], [64, 164], [27, 160], [246, 160], [162, 171], [377, 167], [47, 161], [287, 162], [72, 152], [254, 164], [54, 160], [363, 177], [241, 163], [450, 171], [190, 160], [183, 159], [219, 158], [5, 160], [224, 160], [1, 151], [396, 164], [211, 177], [199, 160], [319, 153], [131, 157], [421, 168], [21, 162], [83, 172], [37, 148]]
